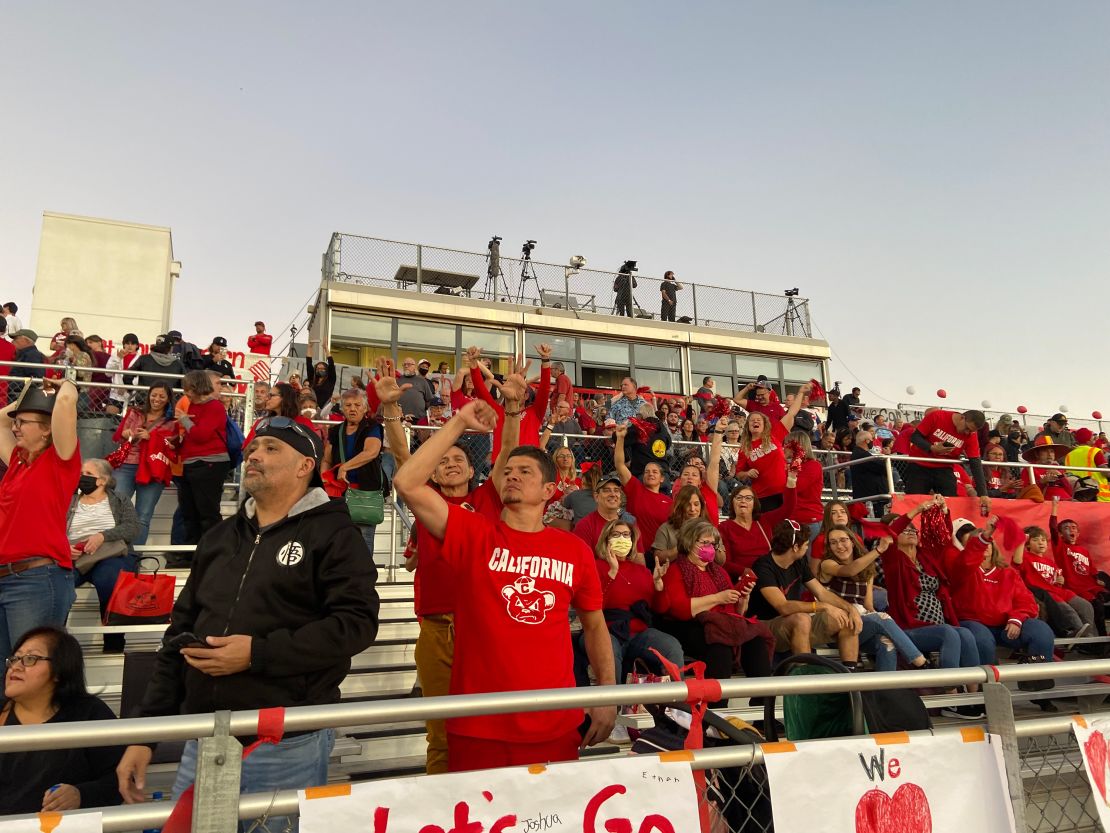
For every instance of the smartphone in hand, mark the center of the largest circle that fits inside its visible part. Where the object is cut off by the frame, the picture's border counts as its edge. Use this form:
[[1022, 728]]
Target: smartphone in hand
[[746, 583], [184, 640]]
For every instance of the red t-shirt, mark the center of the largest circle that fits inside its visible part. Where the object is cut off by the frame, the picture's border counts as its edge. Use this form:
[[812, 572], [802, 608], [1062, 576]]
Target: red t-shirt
[[650, 509], [564, 388], [34, 502], [513, 594], [633, 583], [712, 505], [434, 582], [770, 462], [1077, 564], [938, 427]]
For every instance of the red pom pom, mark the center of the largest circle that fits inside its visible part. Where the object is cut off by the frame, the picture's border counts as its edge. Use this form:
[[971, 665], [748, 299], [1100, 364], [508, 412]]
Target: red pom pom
[[722, 406], [797, 456], [1021, 409], [640, 428], [935, 530], [816, 392], [1096, 414], [1009, 533], [942, 393]]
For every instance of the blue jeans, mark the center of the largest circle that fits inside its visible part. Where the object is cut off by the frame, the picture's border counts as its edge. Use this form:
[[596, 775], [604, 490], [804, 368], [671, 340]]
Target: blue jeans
[[146, 495], [35, 597], [880, 599], [294, 764], [956, 645], [637, 648], [368, 536], [1036, 639], [103, 577], [903, 645]]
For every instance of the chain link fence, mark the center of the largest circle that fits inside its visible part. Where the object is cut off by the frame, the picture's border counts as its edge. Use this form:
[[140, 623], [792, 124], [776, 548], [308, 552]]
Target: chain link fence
[[517, 278], [1057, 792]]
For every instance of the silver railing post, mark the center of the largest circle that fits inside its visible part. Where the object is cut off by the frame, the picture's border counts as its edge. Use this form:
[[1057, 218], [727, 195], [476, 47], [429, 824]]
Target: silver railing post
[[755, 317], [219, 769], [694, 298], [889, 475], [419, 268], [1000, 721]]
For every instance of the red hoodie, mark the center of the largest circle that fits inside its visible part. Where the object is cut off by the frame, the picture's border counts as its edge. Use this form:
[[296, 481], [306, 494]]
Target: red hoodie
[[903, 582], [208, 436], [1079, 569], [811, 481], [994, 597]]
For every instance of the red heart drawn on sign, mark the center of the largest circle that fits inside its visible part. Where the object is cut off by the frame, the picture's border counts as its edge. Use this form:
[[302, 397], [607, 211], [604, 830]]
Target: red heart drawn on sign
[[1095, 748], [906, 812]]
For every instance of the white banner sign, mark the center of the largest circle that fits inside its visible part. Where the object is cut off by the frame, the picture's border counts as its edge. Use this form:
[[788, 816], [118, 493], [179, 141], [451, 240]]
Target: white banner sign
[[887, 783], [1093, 736], [640, 794], [55, 823]]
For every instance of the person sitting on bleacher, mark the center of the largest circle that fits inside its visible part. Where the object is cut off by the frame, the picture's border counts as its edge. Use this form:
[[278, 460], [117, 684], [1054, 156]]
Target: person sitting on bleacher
[[101, 526], [307, 605], [45, 683]]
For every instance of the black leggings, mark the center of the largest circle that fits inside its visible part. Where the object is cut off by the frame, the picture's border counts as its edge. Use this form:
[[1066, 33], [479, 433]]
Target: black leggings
[[924, 480], [755, 659], [199, 493]]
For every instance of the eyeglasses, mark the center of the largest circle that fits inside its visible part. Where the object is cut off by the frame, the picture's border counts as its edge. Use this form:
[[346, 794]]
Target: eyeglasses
[[26, 660], [19, 422], [707, 542], [621, 535], [282, 422], [745, 498]]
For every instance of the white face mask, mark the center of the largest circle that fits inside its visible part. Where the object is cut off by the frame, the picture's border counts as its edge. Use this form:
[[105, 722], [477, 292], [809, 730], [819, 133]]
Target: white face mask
[[308, 412], [620, 547]]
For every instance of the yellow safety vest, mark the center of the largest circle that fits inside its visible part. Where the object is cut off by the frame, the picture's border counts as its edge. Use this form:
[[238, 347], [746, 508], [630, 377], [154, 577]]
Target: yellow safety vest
[[1084, 455]]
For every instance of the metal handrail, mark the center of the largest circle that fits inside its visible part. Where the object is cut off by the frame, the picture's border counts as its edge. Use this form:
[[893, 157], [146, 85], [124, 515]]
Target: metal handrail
[[311, 718]]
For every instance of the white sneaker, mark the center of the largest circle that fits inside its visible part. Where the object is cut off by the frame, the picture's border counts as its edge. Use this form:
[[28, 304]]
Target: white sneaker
[[620, 735]]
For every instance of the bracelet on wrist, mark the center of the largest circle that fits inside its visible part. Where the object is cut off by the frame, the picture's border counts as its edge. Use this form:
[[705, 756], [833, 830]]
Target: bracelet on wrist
[[391, 419], [514, 413]]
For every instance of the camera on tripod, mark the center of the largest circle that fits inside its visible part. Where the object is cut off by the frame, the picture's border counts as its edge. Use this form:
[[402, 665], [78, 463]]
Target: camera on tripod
[[628, 268], [526, 249], [791, 293], [495, 242]]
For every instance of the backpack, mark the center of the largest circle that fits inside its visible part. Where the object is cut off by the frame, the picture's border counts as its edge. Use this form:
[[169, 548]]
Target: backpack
[[841, 714], [233, 436]]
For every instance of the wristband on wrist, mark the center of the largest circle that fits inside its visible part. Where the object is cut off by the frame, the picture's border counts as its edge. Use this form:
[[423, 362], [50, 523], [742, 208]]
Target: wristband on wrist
[[514, 413], [391, 419]]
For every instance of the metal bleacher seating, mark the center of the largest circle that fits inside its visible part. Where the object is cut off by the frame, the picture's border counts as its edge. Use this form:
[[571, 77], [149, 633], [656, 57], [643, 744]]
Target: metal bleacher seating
[[387, 670]]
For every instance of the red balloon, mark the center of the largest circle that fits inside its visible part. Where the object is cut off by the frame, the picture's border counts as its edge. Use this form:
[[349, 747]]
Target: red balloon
[[942, 393], [1021, 409], [1096, 414]]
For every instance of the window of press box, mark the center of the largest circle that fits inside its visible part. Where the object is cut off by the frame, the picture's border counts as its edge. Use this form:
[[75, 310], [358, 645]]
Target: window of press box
[[800, 371], [705, 363], [491, 341], [749, 368], [651, 355], [352, 329], [660, 381], [562, 347], [605, 352], [426, 333]]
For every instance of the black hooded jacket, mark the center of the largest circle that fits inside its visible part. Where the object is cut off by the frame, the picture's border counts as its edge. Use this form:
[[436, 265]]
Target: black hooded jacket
[[303, 589]]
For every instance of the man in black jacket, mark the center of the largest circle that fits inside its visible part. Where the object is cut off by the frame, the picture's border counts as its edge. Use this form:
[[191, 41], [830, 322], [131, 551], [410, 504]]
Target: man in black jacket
[[25, 351], [280, 597]]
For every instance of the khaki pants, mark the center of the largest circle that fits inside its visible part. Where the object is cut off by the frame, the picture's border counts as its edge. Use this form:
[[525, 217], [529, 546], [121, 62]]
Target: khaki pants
[[435, 652]]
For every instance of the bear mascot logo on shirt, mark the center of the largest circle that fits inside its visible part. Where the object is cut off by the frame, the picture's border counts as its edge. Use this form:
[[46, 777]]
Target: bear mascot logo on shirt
[[525, 603]]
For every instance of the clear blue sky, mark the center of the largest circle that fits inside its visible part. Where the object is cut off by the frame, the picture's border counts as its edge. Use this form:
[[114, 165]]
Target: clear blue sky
[[935, 176]]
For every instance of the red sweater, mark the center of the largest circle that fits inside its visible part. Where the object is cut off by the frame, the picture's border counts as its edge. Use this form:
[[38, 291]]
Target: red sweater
[[1079, 569], [811, 480], [530, 420], [744, 546], [208, 436], [632, 584], [993, 597], [903, 582], [1040, 571], [260, 343]]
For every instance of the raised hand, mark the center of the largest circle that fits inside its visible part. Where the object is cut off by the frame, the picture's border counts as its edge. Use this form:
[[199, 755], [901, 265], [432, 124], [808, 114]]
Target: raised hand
[[621, 430], [386, 385], [477, 416], [544, 350], [515, 386]]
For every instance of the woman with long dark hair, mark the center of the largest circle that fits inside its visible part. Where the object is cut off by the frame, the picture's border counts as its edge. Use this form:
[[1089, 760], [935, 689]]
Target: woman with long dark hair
[[44, 683], [152, 422]]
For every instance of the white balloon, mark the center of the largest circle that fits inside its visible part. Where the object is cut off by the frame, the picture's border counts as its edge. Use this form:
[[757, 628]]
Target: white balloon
[[911, 390], [986, 403], [1063, 409]]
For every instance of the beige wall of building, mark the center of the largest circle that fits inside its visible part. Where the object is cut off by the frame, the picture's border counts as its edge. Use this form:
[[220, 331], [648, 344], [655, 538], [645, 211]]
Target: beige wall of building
[[114, 277]]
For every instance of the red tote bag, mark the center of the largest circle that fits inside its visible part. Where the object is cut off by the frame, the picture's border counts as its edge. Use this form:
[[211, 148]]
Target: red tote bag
[[141, 598]]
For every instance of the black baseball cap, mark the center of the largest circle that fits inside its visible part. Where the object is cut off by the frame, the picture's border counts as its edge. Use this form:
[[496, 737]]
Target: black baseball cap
[[611, 477], [1058, 417], [302, 439], [220, 340]]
